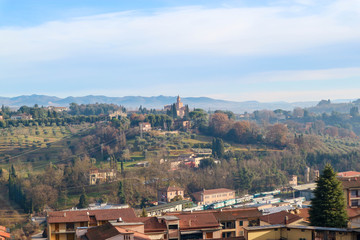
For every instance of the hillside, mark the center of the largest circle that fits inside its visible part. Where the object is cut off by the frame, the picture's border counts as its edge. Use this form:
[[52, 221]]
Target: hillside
[[157, 102]]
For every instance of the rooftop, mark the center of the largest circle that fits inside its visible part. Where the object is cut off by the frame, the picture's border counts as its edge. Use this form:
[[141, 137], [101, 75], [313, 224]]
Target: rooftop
[[279, 218], [84, 215], [309, 186], [349, 174]]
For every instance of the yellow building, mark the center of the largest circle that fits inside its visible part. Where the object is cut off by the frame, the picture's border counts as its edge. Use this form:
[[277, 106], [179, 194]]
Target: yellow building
[[62, 225], [213, 195], [293, 232]]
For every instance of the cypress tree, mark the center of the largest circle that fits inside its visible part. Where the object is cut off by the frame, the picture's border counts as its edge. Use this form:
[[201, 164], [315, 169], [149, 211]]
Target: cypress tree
[[121, 194], [328, 207], [83, 202]]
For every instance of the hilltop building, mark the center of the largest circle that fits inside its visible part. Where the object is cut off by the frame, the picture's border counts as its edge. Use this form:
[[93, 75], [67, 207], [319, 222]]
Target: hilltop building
[[179, 106], [169, 193], [97, 176]]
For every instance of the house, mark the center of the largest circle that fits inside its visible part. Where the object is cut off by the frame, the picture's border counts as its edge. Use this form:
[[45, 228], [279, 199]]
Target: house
[[296, 232], [213, 195], [169, 193], [62, 224], [1, 117], [58, 109], [145, 126], [282, 217], [198, 226], [117, 114], [97, 176], [167, 207], [110, 231], [233, 221], [184, 124], [4, 233], [23, 116], [351, 188]]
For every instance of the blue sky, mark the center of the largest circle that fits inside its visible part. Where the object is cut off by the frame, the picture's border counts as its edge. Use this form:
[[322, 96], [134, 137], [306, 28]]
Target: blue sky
[[293, 50]]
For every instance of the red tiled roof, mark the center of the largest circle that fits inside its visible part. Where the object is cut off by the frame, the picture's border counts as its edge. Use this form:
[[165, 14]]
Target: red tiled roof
[[348, 174], [353, 212], [304, 213], [279, 218], [350, 182], [217, 190], [151, 224], [107, 231], [233, 214], [83, 215], [197, 220]]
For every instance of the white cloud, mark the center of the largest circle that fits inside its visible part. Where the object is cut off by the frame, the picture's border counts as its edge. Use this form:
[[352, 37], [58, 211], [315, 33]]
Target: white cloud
[[188, 30]]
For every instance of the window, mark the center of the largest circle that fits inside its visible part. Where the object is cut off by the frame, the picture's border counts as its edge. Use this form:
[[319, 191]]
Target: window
[[70, 227], [354, 203], [126, 237], [275, 229], [289, 229], [354, 193], [241, 223], [173, 226], [302, 238], [209, 235], [241, 233]]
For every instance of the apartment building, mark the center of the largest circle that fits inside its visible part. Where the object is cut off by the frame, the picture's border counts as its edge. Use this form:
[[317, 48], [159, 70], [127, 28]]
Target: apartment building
[[62, 225], [205, 197]]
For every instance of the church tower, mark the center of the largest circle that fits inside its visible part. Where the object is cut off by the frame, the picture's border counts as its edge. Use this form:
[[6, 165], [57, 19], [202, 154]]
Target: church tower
[[179, 104]]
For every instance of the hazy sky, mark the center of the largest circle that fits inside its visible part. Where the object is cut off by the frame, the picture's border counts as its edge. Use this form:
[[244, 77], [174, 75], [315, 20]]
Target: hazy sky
[[237, 50]]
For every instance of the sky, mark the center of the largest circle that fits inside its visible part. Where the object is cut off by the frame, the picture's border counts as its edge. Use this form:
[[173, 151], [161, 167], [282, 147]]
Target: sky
[[240, 50]]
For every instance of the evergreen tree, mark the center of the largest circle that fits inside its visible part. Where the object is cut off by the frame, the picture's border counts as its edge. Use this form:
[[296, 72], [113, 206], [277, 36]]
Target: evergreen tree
[[218, 148], [121, 194], [143, 213], [83, 202], [328, 208]]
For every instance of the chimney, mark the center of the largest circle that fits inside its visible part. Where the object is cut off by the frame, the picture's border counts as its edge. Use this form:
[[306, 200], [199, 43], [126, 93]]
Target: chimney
[[189, 223], [64, 214], [87, 213], [286, 220], [119, 219]]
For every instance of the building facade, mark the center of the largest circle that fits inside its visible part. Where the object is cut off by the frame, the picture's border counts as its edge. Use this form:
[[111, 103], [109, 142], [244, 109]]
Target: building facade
[[62, 225], [205, 197], [169, 193]]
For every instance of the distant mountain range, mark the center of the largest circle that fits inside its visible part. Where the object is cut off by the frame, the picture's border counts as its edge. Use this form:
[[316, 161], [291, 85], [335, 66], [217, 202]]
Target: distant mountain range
[[157, 102]]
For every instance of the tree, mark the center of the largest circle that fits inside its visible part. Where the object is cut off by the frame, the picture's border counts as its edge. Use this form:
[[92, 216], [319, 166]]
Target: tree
[[121, 194], [328, 205], [143, 213], [83, 202]]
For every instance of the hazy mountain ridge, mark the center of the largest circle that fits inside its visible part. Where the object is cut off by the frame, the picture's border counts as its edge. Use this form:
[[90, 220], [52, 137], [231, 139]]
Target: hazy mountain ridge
[[133, 102]]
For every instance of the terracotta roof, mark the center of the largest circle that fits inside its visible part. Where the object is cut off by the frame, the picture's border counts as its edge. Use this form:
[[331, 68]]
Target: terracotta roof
[[234, 214], [104, 231], [279, 218], [83, 215], [151, 224], [348, 174], [217, 190], [197, 220], [304, 213], [107, 231], [350, 182], [353, 212]]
